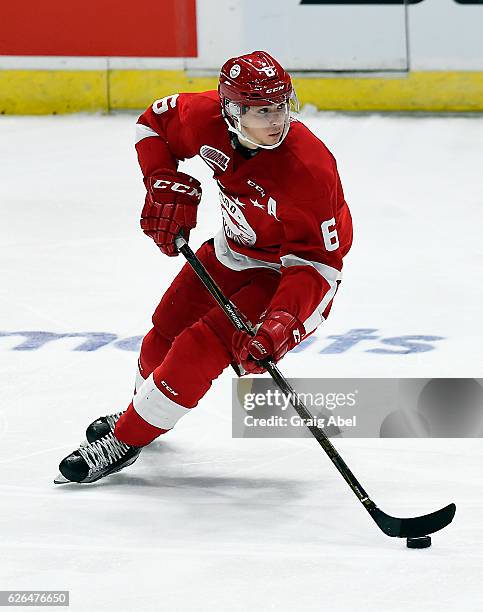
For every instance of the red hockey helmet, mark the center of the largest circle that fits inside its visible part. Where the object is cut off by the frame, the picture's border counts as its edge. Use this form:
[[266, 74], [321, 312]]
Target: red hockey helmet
[[255, 79]]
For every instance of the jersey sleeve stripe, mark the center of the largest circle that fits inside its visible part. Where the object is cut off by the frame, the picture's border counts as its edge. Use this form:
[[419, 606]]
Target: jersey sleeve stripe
[[330, 274], [143, 131], [316, 318]]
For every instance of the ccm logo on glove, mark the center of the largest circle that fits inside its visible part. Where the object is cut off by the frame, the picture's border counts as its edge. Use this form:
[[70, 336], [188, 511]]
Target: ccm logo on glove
[[178, 187]]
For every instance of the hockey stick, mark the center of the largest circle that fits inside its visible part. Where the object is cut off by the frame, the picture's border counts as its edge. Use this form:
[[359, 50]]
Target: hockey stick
[[395, 527]]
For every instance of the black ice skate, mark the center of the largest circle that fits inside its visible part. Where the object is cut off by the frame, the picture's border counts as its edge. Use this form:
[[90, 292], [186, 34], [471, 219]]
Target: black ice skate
[[102, 426], [93, 461]]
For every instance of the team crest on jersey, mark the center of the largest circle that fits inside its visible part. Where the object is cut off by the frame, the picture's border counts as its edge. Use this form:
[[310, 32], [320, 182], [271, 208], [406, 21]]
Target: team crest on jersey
[[235, 224], [214, 157]]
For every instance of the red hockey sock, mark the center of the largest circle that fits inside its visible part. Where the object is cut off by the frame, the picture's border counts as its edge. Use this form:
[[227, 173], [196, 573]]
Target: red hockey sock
[[197, 357], [132, 429]]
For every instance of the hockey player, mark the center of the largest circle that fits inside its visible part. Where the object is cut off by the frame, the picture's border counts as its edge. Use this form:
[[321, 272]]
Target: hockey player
[[278, 257]]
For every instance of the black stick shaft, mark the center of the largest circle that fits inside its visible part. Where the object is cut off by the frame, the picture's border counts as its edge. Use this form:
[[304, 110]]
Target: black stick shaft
[[240, 323]]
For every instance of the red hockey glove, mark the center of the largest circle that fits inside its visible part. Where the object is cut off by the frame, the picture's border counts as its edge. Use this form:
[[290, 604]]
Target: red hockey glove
[[278, 333], [171, 206]]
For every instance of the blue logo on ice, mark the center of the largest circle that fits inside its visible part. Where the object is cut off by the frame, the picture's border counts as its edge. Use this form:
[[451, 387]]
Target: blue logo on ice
[[340, 343]]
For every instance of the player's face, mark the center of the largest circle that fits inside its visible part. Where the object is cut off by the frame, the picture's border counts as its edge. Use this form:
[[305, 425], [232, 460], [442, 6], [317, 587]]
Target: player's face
[[265, 124]]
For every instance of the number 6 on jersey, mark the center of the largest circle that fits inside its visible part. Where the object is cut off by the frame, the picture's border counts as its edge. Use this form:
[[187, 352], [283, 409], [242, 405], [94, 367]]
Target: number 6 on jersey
[[331, 239], [161, 106]]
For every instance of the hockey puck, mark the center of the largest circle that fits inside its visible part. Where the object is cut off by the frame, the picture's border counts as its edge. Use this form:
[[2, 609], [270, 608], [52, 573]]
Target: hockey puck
[[422, 542]]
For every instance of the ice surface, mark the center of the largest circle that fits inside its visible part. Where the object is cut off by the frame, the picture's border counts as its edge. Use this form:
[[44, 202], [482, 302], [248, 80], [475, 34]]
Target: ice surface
[[202, 521]]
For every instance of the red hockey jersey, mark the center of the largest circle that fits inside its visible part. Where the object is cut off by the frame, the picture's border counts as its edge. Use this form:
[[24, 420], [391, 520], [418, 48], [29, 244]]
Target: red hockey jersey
[[283, 208]]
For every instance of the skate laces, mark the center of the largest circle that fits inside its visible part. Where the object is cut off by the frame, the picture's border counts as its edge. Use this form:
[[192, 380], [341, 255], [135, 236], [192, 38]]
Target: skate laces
[[113, 418], [104, 452]]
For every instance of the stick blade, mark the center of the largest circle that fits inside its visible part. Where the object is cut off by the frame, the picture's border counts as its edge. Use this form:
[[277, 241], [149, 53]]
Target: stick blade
[[413, 527]]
